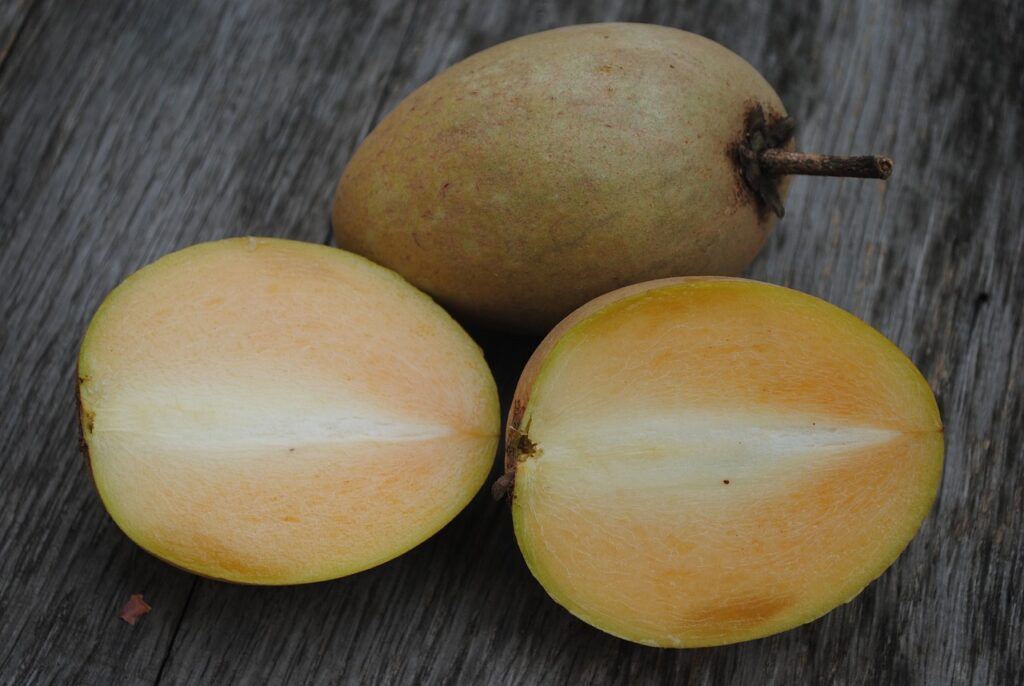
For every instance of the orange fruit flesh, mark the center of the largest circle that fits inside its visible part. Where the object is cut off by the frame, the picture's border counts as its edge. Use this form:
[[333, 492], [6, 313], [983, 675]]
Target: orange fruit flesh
[[273, 412], [717, 460]]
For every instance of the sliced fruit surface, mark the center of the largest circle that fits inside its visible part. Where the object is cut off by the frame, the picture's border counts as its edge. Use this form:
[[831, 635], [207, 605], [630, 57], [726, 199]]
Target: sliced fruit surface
[[701, 461], [267, 411]]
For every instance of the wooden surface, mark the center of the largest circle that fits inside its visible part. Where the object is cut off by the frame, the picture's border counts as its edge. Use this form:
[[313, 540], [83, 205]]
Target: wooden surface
[[131, 129]]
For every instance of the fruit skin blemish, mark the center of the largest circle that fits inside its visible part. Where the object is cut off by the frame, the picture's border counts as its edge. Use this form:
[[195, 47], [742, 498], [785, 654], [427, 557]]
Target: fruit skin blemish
[[715, 460]]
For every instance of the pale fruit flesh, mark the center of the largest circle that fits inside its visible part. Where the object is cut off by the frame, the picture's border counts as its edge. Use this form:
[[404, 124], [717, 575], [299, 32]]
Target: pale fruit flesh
[[272, 412], [540, 173], [708, 461]]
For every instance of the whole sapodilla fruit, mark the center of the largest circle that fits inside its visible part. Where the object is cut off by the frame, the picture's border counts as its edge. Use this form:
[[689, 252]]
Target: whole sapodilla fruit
[[547, 170], [700, 461], [273, 412]]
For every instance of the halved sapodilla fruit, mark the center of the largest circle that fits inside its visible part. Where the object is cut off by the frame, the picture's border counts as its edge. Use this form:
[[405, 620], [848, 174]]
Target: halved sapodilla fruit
[[272, 412], [701, 461]]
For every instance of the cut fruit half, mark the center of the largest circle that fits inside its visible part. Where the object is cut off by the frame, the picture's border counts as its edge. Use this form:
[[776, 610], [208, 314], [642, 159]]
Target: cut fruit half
[[273, 412], [701, 461]]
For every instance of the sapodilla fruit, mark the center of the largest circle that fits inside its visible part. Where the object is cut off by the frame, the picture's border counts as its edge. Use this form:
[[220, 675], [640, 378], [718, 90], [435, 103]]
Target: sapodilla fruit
[[553, 168], [273, 412], [701, 461]]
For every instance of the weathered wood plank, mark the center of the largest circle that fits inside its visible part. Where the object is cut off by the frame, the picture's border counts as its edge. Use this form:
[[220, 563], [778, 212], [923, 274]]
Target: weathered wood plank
[[127, 131], [130, 131]]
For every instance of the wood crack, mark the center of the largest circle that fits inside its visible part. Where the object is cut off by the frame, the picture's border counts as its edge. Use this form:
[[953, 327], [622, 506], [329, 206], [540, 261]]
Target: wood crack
[[177, 630]]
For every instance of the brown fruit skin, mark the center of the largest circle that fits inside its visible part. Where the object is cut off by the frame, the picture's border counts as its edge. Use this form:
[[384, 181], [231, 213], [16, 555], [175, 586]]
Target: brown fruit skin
[[538, 174]]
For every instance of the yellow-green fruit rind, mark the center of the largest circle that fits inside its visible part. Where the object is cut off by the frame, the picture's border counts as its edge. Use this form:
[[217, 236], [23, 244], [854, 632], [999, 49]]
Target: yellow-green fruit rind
[[547, 170], [266, 411], [717, 460]]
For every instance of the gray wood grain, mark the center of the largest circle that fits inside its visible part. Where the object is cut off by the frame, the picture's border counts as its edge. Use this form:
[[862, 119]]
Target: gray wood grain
[[13, 14], [129, 130]]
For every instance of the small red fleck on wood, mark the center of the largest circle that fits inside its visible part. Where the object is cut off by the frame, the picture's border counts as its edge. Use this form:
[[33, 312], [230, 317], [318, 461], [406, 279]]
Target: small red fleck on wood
[[134, 608]]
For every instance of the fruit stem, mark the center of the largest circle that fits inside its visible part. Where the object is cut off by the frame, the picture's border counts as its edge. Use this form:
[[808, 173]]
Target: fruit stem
[[762, 159], [780, 162]]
